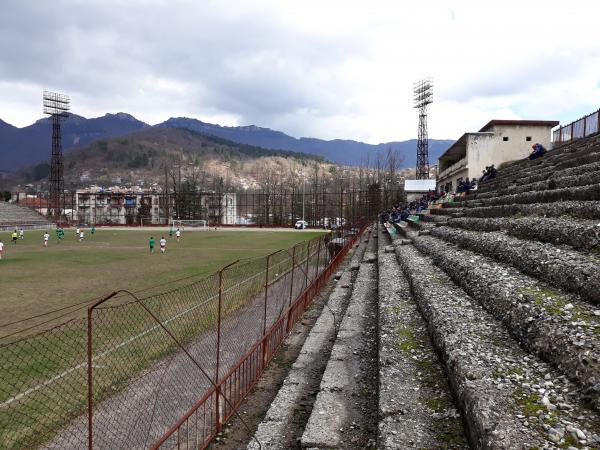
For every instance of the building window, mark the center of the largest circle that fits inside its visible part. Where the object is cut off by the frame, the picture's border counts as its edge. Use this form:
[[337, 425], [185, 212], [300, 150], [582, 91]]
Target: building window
[[528, 138], [505, 138]]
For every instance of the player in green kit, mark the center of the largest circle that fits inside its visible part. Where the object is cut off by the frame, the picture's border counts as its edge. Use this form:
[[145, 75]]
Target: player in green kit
[[151, 242]]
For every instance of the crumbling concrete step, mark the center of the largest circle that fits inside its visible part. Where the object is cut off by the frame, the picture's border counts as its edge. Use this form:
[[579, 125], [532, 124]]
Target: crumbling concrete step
[[428, 217], [561, 170], [558, 327], [562, 267], [279, 428], [584, 160], [575, 209], [574, 153], [416, 409], [554, 182], [509, 399], [579, 234], [579, 193], [345, 410]]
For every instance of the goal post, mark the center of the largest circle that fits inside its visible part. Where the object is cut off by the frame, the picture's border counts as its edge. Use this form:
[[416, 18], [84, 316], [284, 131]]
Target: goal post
[[201, 225]]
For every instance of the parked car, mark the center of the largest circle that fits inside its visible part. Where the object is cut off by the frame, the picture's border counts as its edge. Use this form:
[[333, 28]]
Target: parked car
[[301, 225]]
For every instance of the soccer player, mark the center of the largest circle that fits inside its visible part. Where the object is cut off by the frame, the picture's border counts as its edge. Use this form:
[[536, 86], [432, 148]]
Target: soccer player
[[163, 244], [178, 234], [151, 242], [14, 236], [93, 230], [81, 236], [77, 232], [46, 237], [1, 249], [21, 233]]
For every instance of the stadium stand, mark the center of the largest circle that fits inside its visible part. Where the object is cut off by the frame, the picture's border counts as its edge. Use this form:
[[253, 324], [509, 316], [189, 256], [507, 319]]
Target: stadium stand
[[12, 216], [506, 283]]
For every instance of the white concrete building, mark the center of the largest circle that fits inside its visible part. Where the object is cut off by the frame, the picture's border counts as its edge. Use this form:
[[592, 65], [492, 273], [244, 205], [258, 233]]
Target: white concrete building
[[499, 141]]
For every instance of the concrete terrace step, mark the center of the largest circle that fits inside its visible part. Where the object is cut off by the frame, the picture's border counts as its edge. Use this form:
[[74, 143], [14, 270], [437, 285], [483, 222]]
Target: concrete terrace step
[[554, 156], [554, 182], [297, 391], [590, 164], [345, 410], [547, 163], [574, 209], [416, 409], [578, 193], [563, 267], [509, 400], [542, 167], [579, 234], [558, 327]]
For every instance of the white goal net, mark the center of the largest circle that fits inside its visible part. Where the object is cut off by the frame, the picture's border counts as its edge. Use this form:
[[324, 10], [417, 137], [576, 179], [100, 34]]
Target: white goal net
[[195, 224]]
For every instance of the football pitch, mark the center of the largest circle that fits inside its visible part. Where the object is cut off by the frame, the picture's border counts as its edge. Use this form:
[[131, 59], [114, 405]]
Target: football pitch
[[35, 279]]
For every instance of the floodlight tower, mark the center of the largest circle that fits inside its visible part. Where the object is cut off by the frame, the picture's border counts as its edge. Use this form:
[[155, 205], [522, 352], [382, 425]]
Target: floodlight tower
[[423, 96], [57, 106]]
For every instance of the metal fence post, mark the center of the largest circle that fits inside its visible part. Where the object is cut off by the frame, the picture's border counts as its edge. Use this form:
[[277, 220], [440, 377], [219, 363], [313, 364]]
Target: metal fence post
[[293, 270], [218, 386], [264, 333], [318, 257], [572, 131], [90, 392], [306, 271], [90, 375]]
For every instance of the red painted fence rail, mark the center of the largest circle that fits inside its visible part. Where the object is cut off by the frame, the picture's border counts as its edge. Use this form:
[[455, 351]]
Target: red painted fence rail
[[165, 370]]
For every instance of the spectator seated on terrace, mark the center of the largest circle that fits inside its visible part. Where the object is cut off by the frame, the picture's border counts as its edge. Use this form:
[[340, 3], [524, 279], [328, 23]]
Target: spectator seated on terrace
[[537, 152], [463, 186], [489, 173]]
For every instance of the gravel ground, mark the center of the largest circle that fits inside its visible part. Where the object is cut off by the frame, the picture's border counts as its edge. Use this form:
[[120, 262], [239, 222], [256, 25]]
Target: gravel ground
[[579, 234], [345, 411], [284, 422], [416, 409], [510, 399], [563, 267], [558, 327], [574, 209]]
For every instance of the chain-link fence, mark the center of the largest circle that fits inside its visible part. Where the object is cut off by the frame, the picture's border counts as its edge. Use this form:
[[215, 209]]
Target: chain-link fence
[[158, 370]]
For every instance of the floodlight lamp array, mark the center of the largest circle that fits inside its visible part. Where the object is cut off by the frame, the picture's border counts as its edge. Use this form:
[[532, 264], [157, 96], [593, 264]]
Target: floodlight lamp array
[[56, 104], [423, 92]]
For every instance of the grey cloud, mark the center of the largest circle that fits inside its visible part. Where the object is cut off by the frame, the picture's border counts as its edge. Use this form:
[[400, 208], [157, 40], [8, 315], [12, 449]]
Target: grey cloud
[[247, 64]]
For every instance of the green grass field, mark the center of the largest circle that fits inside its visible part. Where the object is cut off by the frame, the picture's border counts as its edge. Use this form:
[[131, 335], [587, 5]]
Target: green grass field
[[34, 279], [48, 370]]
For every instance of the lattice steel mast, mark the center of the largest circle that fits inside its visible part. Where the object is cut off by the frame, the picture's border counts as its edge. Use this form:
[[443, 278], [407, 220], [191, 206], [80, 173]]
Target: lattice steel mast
[[423, 96], [57, 106]]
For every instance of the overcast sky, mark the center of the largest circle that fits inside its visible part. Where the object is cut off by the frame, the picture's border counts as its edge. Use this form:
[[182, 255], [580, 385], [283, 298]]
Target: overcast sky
[[326, 69]]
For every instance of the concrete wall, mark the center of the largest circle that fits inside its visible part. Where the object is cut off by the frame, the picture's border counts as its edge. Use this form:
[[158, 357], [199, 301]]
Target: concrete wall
[[486, 150], [453, 179]]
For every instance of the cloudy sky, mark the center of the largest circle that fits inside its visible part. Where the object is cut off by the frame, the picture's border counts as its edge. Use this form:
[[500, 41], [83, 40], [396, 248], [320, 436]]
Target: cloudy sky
[[327, 69]]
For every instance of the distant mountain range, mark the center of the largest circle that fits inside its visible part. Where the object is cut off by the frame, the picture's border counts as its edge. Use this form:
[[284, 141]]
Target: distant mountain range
[[142, 156], [22, 147]]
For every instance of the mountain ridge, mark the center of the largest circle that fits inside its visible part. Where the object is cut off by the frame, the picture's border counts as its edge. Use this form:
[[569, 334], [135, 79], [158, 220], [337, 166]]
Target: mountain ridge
[[22, 147]]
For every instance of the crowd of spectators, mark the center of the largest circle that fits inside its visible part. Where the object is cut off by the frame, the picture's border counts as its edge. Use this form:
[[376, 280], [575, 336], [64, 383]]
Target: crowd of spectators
[[401, 211]]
